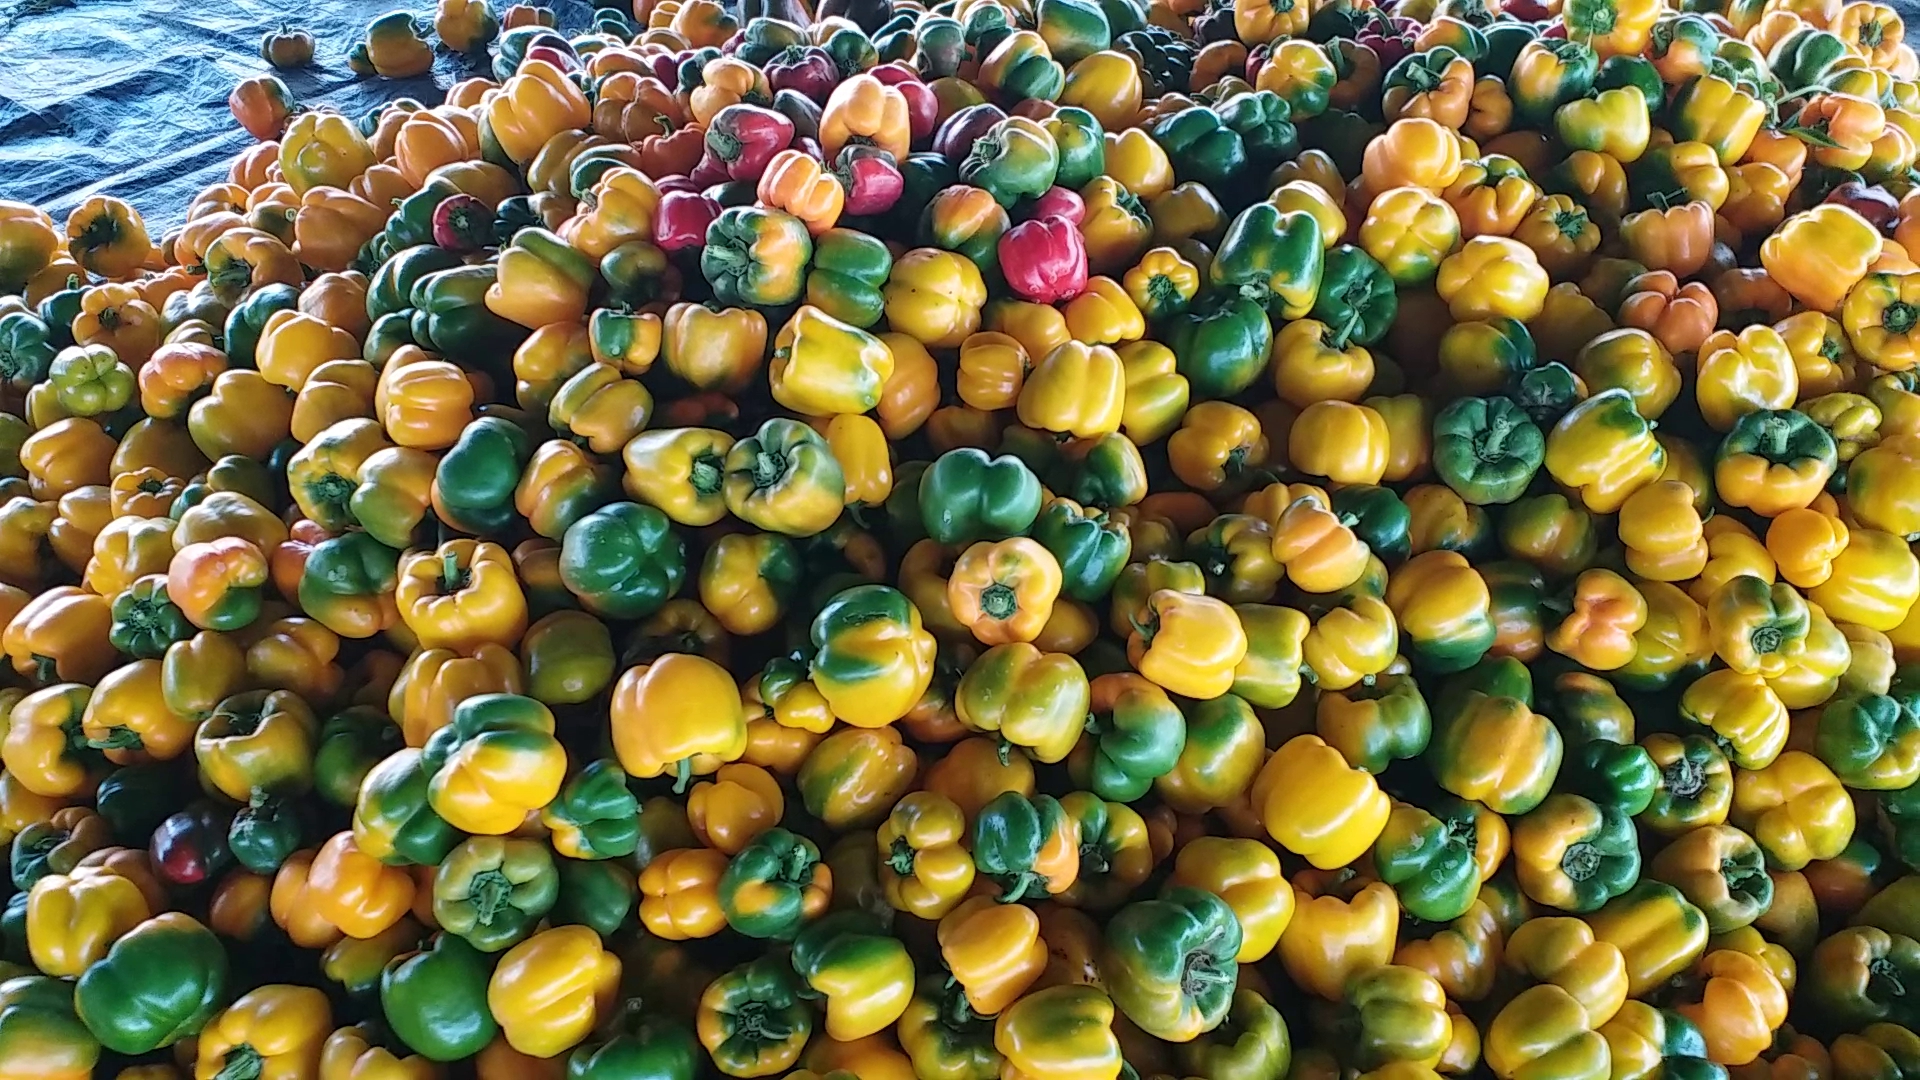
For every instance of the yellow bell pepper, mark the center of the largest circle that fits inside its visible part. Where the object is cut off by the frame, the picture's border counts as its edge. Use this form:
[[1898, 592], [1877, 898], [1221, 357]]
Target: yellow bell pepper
[[1606, 449], [1344, 442], [1879, 316], [1333, 937], [1662, 532], [1350, 643], [1599, 632], [1544, 1031], [824, 367], [1818, 255], [463, 594], [550, 990], [994, 951], [1076, 390], [1187, 644], [1743, 713], [1316, 805], [73, 919], [1794, 808], [1492, 277], [277, 1030], [1875, 580], [695, 690], [924, 866]]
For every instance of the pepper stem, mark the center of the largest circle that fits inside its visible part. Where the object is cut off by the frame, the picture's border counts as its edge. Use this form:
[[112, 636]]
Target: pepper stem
[[683, 775], [452, 577], [900, 857], [242, 1062], [488, 892], [999, 602], [1581, 861]]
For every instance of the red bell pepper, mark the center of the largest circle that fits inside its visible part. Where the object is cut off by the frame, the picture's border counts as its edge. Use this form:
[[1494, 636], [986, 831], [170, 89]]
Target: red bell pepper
[[923, 109], [1044, 260], [744, 138], [680, 221], [1061, 203], [462, 223], [564, 59], [871, 178]]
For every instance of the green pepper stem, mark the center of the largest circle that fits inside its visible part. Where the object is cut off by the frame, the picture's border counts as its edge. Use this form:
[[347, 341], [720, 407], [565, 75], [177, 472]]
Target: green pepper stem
[[242, 1062], [488, 892], [683, 775], [900, 857]]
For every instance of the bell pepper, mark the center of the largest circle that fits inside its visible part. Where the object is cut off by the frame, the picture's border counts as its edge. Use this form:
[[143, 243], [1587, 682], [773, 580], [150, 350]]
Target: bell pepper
[[700, 687], [1218, 345], [851, 636], [1566, 953], [865, 978], [1869, 740], [1582, 452], [1135, 735], [740, 803], [846, 275], [157, 985], [145, 622], [1024, 843], [1044, 260], [851, 777], [752, 1021], [72, 921], [434, 999], [773, 886], [541, 280], [547, 991], [1375, 723], [1878, 316], [994, 952], [681, 471], [1795, 809], [1852, 973], [1399, 1015], [1033, 700], [493, 891], [1246, 875], [1170, 962], [1201, 145], [1337, 823], [785, 479], [1062, 1031], [943, 1035], [271, 1028], [747, 581], [88, 380], [1545, 1024], [1442, 606], [1274, 258], [924, 867], [1574, 854], [1492, 277], [1819, 255], [462, 594], [258, 741], [623, 561], [493, 764], [216, 584], [322, 149], [1189, 645], [1486, 449], [679, 894], [756, 257], [1430, 858], [39, 1031], [967, 496], [1334, 937], [714, 347], [1016, 158]]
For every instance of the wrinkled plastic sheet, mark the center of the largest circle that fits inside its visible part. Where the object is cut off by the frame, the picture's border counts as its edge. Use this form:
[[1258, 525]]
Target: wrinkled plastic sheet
[[129, 97]]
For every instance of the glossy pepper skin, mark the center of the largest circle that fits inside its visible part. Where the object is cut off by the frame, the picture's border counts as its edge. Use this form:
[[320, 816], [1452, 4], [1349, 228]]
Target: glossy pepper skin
[[1574, 854], [784, 478], [872, 659], [546, 990], [864, 976], [1429, 857], [497, 761], [774, 885], [1316, 805], [1025, 843], [752, 1020], [1332, 938], [924, 866], [1841, 981], [1134, 736], [157, 985], [1062, 1031], [994, 952], [967, 496]]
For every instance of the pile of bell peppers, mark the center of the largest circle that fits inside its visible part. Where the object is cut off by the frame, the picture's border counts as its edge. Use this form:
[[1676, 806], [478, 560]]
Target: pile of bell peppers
[[1069, 539]]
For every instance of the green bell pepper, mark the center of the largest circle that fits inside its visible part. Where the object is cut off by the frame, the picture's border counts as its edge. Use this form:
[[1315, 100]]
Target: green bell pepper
[[391, 818], [1082, 145], [1357, 299], [967, 496], [1221, 343], [1072, 29], [1131, 743], [352, 742], [623, 561], [135, 799], [756, 257], [492, 890], [1379, 518], [388, 333], [435, 1000], [1009, 836], [1026, 71], [1201, 146], [157, 985], [349, 571], [450, 317], [145, 620], [1015, 159], [264, 832], [248, 320], [26, 352], [596, 893], [1105, 472], [763, 891], [1090, 548], [848, 271], [1782, 437], [636, 1046], [600, 817], [760, 1017], [1618, 775], [40, 1035], [1548, 392], [1504, 40], [1803, 58], [1264, 122], [411, 223], [1548, 73], [473, 484], [1639, 73], [1252, 1043], [391, 289], [1427, 855], [1601, 851], [1169, 963], [1872, 741], [942, 1035], [1487, 449]]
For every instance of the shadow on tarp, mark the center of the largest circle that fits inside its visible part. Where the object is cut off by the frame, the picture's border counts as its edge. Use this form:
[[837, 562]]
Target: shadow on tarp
[[129, 97]]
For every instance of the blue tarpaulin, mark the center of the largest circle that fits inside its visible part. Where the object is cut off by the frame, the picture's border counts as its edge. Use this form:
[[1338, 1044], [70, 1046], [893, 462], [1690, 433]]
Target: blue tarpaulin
[[129, 97]]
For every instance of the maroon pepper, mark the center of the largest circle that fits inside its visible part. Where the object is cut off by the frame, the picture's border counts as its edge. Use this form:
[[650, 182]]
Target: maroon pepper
[[744, 138], [956, 136], [462, 223], [191, 846], [1870, 201], [1044, 260], [800, 109], [871, 178], [807, 70], [680, 220], [564, 59]]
